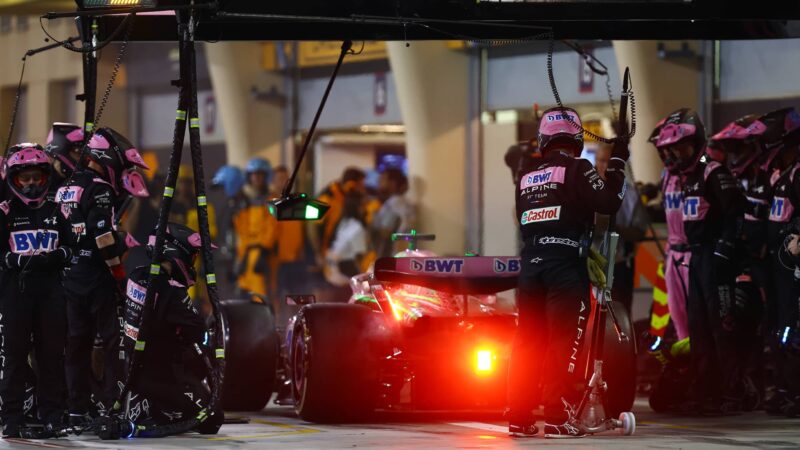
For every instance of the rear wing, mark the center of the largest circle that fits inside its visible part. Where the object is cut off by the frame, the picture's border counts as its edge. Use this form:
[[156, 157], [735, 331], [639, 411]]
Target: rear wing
[[477, 275]]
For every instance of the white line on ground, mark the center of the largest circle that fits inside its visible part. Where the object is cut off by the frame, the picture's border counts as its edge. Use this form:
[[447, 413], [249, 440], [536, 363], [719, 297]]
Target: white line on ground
[[481, 426]]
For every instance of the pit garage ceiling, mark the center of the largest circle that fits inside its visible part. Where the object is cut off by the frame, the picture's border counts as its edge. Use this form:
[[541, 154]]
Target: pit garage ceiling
[[476, 19]]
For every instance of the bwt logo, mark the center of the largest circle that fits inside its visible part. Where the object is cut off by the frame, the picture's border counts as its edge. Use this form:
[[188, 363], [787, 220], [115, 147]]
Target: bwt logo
[[510, 266], [776, 210], [672, 200], [437, 265], [136, 292], [67, 195], [562, 116], [691, 207], [538, 178], [26, 242]]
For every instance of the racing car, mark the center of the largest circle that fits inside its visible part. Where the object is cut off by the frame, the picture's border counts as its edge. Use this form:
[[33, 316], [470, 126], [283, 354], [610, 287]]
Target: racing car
[[421, 332]]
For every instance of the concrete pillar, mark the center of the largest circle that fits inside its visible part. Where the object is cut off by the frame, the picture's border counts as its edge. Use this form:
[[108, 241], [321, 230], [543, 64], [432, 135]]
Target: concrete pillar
[[432, 84], [251, 127], [660, 86]]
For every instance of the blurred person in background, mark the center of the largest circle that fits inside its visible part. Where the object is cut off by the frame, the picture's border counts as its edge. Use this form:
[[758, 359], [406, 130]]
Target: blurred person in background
[[396, 215], [255, 230], [353, 180], [345, 256], [631, 223], [288, 264]]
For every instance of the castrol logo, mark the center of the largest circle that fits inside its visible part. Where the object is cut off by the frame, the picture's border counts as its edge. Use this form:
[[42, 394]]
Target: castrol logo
[[541, 215]]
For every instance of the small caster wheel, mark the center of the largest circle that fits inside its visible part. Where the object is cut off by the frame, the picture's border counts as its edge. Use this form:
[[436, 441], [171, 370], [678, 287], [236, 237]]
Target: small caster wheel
[[628, 421]]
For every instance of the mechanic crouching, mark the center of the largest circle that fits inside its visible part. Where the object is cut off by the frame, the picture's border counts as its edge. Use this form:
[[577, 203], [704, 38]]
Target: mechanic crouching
[[168, 395], [33, 244], [556, 203]]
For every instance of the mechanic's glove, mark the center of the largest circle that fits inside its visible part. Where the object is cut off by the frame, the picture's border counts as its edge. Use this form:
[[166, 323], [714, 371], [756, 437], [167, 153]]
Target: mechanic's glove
[[620, 149], [59, 257], [793, 245], [16, 261], [596, 264]]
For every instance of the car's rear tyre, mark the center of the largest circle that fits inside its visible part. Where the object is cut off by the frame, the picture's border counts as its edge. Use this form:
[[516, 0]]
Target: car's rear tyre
[[619, 364], [336, 349], [251, 355]]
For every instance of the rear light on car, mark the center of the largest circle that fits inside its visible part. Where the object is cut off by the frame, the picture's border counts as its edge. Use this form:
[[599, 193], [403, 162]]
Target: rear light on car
[[485, 361]]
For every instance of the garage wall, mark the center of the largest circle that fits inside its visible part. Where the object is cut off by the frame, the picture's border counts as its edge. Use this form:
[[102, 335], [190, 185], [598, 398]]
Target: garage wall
[[351, 102], [760, 69], [499, 224], [521, 81]]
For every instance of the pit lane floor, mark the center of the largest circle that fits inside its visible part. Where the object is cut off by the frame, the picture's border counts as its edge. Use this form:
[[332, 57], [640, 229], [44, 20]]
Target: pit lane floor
[[276, 427]]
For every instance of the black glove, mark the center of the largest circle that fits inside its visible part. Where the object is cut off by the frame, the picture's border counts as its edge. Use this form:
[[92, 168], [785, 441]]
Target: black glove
[[58, 257], [620, 149], [14, 261]]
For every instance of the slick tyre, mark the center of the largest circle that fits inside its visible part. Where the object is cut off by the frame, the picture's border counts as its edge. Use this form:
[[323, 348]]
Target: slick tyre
[[336, 349], [619, 365], [251, 354]]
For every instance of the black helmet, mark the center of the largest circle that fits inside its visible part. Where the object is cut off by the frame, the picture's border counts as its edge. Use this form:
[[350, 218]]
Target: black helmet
[[181, 246], [780, 130], [680, 125], [62, 140], [119, 158]]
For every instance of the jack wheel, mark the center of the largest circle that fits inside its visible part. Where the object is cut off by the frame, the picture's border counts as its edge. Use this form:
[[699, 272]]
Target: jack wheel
[[628, 421]]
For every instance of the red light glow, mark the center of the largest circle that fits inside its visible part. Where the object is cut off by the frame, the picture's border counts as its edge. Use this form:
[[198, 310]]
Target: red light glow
[[484, 361]]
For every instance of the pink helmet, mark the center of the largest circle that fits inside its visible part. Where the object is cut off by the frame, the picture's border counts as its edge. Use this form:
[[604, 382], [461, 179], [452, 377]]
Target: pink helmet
[[119, 158], [560, 126], [681, 125], [735, 144], [23, 157]]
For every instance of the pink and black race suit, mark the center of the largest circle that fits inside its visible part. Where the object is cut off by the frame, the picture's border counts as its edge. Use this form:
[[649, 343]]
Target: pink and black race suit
[[556, 203], [758, 191], [712, 205], [676, 270], [560, 196], [784, 206], [672, 188]]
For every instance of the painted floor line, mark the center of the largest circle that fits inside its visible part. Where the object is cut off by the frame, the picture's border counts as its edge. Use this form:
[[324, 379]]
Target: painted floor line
[[481, 426], [264, 435], [31, 443], [281, 424]]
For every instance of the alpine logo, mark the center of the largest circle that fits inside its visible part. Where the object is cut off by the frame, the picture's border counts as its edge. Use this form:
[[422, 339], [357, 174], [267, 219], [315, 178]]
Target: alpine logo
[[33, 241], [443, 265], [509, 266], [547, 214]]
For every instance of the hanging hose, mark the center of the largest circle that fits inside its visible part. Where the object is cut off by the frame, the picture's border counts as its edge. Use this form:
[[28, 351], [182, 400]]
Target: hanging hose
[[627, 93], [218, 339], [163, 216], [187, 105]]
